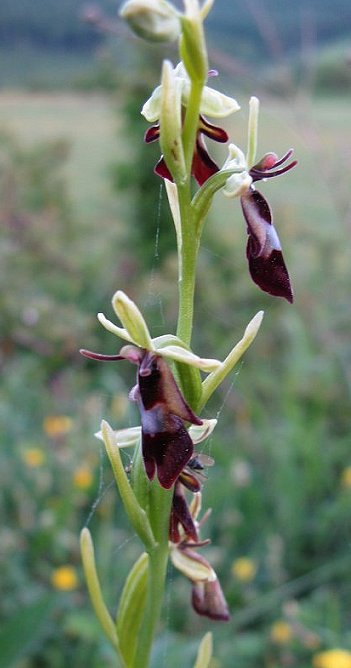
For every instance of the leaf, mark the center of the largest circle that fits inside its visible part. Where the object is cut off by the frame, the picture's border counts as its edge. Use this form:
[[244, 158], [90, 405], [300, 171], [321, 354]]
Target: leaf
[[24, 630], [212, 381], [136, 514], [131, 608], [204, 654], [92, 579]]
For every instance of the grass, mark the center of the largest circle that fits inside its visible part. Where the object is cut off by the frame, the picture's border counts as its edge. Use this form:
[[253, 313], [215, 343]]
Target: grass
[[37, 68], [85, 121], [280, 490]]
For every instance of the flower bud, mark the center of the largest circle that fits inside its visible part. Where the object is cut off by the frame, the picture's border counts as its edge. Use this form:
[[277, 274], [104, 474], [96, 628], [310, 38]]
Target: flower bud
[[153, 20]]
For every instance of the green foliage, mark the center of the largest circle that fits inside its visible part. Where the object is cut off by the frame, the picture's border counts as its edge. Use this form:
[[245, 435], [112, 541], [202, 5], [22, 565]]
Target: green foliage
[[279, 491], [332, 71], [24, 630]]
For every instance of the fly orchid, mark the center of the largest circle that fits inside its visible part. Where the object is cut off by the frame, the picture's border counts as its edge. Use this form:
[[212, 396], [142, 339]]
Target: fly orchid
[[213, 104]]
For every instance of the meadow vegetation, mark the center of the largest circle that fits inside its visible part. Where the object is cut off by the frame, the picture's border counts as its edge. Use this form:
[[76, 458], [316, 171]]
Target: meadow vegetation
[[281, 490]]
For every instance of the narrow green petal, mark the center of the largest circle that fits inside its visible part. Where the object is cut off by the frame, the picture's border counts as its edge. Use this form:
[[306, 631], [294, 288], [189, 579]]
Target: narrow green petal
[[206, 8], [111, 327], [252, 132], [124, 438]]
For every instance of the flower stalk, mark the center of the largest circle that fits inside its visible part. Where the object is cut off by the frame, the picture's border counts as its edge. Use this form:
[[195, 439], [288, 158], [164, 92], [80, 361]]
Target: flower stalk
[[170, 392]]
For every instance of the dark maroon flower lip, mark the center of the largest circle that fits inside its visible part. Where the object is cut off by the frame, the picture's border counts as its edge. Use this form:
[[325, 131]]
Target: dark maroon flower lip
[[166, 444], [266, 263], [208, 600], [181, 516]]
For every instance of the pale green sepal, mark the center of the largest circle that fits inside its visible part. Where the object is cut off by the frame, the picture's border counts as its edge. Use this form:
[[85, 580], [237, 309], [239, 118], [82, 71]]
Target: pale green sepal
[[91, 576], [131, 608], [204, 654], [132, 319], [111, 327], [213, 103], [171, 123], [190, 565], [216, 104], [151, 108], [254, 106], [166, 340], [199, 433], [212, 381], [187, 357], [124, 438], [136, 514], [203, 198], [127, 438], [173, 347]]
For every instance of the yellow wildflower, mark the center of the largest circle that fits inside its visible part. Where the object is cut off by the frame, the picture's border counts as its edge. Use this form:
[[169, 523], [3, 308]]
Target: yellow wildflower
[[33, 457], [57, 425], [332, 658], [281, 632], [244, 569], [346, 477], [82, 477], [64, 578]]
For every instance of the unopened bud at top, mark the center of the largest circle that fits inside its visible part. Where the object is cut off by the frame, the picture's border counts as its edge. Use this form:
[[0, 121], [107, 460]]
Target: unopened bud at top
[[153, 20]]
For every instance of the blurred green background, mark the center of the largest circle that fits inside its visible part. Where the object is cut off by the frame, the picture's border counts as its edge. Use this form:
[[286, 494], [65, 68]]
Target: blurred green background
[[83, 215]]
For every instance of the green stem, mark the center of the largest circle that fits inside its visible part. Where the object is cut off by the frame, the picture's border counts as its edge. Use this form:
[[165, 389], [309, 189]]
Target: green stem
[[156, 584], [159, 514], [160, 499], [187, 258]]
